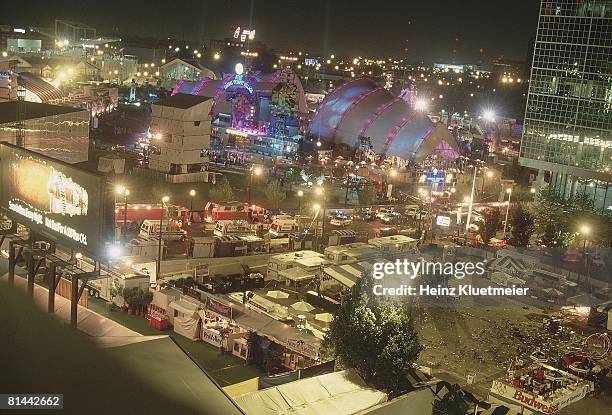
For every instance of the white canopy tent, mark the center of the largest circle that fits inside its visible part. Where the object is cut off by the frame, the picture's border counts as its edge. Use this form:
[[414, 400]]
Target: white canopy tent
[[338, 393]]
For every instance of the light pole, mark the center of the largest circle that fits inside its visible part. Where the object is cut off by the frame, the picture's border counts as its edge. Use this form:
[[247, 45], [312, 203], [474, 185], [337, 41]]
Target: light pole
[[471, 204], [489, 175], [159, 246], [121, 190], [317, 208], [255, 170], [348, 179], [192, 193], [320, 191], [584, 231], [509, 191], [300, 194]]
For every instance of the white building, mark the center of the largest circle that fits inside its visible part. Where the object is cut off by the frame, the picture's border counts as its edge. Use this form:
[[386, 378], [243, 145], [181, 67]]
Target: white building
[[351, 253], [280, 262], [394, 245], [183, 70], [180, 131]]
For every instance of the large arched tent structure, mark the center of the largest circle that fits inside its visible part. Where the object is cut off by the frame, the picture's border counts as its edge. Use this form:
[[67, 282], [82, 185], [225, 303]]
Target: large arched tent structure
[[362, 108]]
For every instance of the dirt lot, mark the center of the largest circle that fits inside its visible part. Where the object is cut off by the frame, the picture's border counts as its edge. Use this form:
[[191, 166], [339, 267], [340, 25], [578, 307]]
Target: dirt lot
[[480, 339]]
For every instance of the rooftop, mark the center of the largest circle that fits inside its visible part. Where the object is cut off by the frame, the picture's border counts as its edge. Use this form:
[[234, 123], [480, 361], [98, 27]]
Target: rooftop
[[8, 111], [182, 101], [390, 240], [357, 248]]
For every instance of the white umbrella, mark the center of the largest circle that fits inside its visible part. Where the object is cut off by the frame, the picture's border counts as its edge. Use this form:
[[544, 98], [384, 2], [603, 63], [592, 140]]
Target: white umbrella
[[302, 306], [277, 294], [325, 317]]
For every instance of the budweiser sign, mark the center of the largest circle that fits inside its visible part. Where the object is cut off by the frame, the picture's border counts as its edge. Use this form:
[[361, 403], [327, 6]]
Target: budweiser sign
[[533, 402]]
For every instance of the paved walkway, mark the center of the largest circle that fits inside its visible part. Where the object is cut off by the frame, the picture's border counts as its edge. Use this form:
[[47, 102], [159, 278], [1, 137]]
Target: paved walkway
[[88, 321]]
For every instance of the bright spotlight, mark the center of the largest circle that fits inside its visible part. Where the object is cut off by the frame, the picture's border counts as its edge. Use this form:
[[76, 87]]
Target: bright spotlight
[[114, 251], [421, 104], [489, 115]]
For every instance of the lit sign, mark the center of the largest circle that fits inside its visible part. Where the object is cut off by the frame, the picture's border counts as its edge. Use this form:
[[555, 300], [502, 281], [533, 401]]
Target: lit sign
[[67, 204], [435, 177], [16, 30], [244, 34], [238, 80], [311, 62], [443, 221]]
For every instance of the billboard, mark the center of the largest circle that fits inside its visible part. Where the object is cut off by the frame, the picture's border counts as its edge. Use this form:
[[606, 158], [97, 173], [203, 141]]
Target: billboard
[[69, 205]]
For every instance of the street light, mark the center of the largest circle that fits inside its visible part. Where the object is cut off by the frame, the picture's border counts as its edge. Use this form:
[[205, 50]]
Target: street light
[[421, 104], [319, 191], [122, 190], [257, 171], [164, 200], [300, 194], [584, 231], [192, 193], [509, 191], [489, 115]]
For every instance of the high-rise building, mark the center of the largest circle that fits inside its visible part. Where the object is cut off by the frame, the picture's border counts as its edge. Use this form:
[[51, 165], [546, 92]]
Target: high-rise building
[[568, 121]]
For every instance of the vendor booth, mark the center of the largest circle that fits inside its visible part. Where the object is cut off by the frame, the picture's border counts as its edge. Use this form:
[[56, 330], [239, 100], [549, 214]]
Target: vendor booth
[[539, 388], [187, 321]]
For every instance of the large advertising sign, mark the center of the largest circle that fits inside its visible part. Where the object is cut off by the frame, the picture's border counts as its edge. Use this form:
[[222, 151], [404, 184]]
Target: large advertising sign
[[72, 206]]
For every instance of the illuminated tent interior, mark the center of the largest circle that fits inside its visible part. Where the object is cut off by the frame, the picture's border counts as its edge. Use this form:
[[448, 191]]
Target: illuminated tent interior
[[363, 108]]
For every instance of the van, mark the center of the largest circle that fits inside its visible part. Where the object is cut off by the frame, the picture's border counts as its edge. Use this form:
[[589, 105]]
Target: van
[[236, 227], [282, 226], [170, 231]]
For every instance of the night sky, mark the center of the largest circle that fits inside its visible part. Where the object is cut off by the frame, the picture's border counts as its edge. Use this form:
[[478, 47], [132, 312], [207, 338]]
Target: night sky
[[430, 29]]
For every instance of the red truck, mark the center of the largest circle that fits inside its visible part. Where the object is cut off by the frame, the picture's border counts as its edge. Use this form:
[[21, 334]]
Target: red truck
[[214, 212], [139, 212]]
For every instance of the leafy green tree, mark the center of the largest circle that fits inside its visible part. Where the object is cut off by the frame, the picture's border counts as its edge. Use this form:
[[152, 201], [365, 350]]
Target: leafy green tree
[[491, 218], [367, 195], [552, 219], [275, 193], [378, 341], [222, 191], [452, 403], [522, 226]]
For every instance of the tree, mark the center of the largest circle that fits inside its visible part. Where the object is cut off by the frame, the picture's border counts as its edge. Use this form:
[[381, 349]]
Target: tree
[[452, 403], [522, 225], [552, 219], [275, 193], [491, 218], [222, 191], [378, 341], [366, 195]]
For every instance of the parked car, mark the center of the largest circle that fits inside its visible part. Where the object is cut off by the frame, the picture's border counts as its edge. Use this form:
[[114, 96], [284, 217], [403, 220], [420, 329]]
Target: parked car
[[387, 213], [338, 221]]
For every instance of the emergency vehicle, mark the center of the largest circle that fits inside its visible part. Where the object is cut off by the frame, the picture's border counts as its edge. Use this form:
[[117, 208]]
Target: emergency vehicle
[[214, 212]]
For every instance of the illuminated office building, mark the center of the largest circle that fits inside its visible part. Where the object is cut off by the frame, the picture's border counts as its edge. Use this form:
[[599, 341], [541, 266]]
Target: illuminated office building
[[568, 122]]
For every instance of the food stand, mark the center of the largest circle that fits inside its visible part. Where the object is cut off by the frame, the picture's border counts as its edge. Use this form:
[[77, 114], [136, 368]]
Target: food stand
[[157, 318], [539, 388], [218, 327], [300, 354]]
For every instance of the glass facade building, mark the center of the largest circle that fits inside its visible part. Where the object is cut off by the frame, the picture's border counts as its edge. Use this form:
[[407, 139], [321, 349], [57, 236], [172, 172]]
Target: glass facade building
[[568, 121]]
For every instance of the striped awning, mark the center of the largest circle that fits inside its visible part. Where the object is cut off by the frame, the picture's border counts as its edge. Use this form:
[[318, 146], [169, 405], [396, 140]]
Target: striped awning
[[349, 274]]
